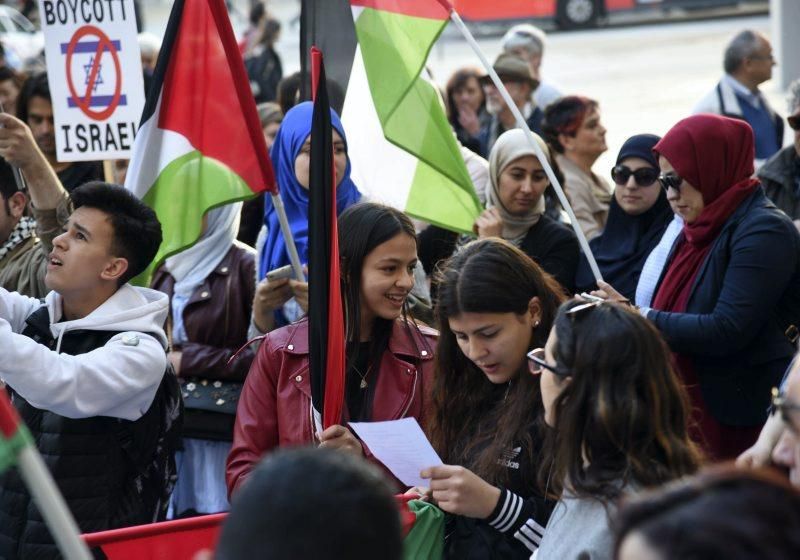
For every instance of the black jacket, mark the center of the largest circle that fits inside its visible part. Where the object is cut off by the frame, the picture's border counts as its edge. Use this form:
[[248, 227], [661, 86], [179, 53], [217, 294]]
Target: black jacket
[[112, 473], [492, 129], [555, 248], [515, 527], [551, 244], [745, 296], [780, 176]]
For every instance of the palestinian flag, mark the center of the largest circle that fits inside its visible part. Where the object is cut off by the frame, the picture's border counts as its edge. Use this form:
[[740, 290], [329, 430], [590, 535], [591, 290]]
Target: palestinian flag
[[200, 143], [326, 338], [14, 435], [402, 148]]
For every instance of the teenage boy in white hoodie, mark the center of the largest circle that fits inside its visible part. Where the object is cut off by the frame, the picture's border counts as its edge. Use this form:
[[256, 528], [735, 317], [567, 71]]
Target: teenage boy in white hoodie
[[87, 370]]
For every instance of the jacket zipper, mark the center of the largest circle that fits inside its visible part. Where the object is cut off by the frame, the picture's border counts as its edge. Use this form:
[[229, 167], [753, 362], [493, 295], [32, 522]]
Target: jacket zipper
[[413, 392]]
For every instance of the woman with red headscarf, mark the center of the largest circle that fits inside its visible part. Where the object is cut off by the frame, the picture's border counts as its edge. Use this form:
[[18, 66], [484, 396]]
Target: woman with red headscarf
[[727, 299]]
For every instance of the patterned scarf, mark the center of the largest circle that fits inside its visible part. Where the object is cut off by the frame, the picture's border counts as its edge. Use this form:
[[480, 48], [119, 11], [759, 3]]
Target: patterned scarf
[[25, 228]]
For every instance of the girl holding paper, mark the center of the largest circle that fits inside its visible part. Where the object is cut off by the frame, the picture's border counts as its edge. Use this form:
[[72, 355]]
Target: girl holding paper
[[389, 357], [495, 305]]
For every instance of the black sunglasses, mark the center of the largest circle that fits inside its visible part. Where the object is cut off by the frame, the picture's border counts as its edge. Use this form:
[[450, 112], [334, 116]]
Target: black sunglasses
[[670, 180], [794, 121], [644, 176]]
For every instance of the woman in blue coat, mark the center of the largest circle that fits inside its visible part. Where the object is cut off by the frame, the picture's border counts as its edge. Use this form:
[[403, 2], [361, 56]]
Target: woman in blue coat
[[727, 301]]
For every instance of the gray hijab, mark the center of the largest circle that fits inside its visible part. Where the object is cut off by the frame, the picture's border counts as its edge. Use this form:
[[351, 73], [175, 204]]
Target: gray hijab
[[511, 146]]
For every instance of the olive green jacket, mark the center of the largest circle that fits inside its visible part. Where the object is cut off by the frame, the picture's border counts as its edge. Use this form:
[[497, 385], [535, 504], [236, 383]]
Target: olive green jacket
[[23, 269]]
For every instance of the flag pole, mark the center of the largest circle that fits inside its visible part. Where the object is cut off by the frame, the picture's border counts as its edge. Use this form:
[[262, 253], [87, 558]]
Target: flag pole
[[294, 258], [584, 243]]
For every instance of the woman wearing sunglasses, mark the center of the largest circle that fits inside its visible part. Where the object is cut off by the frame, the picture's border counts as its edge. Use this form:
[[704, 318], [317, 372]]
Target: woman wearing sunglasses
[[637, 219], [495, 304], [619, 417], [728, 302]]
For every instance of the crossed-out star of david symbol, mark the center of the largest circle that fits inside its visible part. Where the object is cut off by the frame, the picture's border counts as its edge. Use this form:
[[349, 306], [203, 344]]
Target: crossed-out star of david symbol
[[88, 69]]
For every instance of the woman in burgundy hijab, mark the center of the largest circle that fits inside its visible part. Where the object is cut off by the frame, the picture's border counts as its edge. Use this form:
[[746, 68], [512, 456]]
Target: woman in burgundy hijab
[[727, 301]]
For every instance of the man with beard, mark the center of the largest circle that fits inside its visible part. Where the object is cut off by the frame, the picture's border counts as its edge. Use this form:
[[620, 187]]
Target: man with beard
[[516, 76], [29, 219], [35, 108]]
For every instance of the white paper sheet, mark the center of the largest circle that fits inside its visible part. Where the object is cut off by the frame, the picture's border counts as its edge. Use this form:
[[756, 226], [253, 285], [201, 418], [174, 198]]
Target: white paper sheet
[[401, 446]]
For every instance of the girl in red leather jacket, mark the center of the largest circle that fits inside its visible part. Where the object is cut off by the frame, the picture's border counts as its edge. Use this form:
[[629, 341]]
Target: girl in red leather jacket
[[389, 357]]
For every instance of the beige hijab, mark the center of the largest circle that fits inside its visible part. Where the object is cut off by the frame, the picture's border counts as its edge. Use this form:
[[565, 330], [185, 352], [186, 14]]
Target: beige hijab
[[510, 146]]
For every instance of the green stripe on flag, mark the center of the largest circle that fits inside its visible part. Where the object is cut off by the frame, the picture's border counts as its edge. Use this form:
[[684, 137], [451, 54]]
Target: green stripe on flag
[[185, 190], [394, 48], [456, 211], [10, 447]]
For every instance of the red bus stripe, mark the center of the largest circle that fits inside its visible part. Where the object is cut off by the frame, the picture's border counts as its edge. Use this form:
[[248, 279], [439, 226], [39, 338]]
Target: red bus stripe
[[432, 9]]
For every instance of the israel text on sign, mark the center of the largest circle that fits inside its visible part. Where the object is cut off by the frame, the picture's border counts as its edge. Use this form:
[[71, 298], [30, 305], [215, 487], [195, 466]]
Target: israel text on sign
[[95, 76]]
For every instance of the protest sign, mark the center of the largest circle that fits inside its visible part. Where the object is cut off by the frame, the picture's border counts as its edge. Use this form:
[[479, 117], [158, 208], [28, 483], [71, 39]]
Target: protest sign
[[95, 76]]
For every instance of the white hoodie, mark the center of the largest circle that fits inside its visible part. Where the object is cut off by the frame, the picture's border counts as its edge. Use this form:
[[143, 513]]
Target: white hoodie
[[119, 379]]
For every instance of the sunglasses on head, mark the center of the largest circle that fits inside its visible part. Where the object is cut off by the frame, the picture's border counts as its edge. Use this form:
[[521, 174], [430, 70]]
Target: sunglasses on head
[[670, 180], [644, 176], [794, 121]]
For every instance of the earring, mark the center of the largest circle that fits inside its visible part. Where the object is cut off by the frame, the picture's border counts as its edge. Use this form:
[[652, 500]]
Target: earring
[[536, 324]]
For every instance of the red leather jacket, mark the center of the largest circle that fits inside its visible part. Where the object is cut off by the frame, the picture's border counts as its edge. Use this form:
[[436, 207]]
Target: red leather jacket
[[275, 406]]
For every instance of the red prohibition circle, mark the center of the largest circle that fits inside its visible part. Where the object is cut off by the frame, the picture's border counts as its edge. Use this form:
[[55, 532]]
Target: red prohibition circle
[[83, 102]]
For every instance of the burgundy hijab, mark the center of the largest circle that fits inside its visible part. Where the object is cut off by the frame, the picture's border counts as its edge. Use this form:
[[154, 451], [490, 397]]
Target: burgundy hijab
[[714, 154]]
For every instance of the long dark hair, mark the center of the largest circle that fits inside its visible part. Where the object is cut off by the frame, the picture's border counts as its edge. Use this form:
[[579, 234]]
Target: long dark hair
[[623, 418], [468, 426], [362, 227], [723, 512]]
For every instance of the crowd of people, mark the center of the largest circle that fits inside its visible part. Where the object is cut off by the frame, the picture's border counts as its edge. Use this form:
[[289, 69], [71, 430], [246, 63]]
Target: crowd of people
[[575, 417]]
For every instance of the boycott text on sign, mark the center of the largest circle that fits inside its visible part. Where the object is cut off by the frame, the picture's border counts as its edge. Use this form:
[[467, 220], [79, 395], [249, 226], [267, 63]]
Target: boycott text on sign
[[95, 76], [65, 12]]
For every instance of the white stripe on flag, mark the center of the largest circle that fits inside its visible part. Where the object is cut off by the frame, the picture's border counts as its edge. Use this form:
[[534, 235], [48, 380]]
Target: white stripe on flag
[[381, 171], [153, 150]]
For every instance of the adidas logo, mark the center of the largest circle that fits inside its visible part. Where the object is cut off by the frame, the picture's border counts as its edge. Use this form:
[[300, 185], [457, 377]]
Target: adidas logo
[[507, 458]]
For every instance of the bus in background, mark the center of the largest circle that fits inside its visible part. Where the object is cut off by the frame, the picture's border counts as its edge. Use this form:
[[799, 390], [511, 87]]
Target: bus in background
[[576, 14]]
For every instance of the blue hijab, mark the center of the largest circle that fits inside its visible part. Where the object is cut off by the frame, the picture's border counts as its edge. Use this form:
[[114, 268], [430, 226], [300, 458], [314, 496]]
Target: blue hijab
[[294, 130]]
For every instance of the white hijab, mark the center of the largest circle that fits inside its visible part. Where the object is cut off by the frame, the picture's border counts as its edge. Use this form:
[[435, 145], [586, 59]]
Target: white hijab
[[193, 265], [510, 146]]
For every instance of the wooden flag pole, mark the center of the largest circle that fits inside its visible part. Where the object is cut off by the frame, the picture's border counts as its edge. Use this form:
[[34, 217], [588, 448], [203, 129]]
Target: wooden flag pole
[[108, 171], [584, 243]]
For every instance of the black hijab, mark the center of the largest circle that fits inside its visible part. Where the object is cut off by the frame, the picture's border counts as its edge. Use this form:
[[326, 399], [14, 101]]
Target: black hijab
[[625, 244]]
